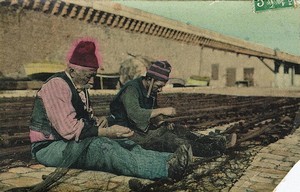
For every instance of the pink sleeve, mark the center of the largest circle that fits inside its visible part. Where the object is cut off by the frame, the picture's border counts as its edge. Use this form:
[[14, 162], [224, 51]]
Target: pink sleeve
[[56, 96]]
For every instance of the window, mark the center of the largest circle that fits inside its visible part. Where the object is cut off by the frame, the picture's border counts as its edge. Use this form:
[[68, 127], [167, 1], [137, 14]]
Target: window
[[277, 66], [249, 76], [286, 68], [297, 69], [215, 72]]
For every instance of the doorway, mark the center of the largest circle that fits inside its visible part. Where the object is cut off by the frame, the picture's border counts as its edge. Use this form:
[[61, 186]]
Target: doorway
[[230, 77], [248, 76]]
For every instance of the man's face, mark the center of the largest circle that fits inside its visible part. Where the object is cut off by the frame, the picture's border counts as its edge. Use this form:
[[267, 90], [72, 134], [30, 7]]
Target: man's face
[[157, 86], [84, 78]]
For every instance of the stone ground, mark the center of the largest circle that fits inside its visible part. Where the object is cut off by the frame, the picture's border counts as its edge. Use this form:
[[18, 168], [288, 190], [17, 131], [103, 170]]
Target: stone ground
[[268, 168], [74, 180], [270, 165]]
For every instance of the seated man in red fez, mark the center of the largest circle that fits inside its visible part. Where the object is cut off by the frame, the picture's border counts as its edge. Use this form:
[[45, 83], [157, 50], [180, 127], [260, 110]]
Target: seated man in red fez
[[135, 106], [64, 132]]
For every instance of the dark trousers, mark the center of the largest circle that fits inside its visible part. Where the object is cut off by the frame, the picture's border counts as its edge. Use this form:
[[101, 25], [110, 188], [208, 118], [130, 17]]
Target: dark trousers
[[165, 140]]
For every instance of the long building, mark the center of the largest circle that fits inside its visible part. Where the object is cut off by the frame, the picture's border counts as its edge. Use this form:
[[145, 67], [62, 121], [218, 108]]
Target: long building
[[41, 31]]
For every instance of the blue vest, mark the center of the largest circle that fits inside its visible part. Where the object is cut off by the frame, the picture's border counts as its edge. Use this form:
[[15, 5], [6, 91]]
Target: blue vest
[[39, 120]]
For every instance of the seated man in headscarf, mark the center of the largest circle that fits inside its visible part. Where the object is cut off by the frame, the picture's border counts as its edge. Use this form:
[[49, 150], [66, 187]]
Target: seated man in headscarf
[[135, 106], [133, 67], [64, 132]]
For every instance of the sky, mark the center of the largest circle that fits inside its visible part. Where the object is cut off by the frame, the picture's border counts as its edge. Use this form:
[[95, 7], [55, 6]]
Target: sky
[[277, 29]]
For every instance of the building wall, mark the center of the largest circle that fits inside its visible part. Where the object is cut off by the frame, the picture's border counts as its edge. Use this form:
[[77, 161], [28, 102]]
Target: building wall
[[296, 79], [32, 36], [286, 78], [263, 76]]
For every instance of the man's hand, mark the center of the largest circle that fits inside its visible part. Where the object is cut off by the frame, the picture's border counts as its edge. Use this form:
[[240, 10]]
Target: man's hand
[[168, 111], [101, 121], [171, 126], [115, 131]]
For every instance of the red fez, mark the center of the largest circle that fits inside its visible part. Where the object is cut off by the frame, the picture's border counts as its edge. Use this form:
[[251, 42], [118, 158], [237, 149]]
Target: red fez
[[84, 55]]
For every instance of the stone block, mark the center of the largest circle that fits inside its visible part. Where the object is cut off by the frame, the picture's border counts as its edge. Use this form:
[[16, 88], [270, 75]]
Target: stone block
[[4, 187], [263, 187], [251, 173], [292, 159], [8, 175], [271, 156], [284, 168], [243, 182], [295, 151], [271, 161], [20, 170], [258, 179], [286, 164], [272, 176], [240, 189], [265, 165], [269, 171], [64, 187], [101, 185], [257, 159], [35, 174], [48, 169], [22, 181], [96, 175], [37, 166], [281, 152]]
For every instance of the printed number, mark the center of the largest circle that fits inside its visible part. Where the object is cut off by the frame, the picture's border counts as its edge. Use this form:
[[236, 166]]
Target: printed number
[[270, 2], [290, 2], [260, 3], [283, 2], [278, 2]]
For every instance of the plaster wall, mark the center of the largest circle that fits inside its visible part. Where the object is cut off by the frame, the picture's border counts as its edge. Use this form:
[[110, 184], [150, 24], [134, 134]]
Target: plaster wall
[[289, 79], [296, 80], [28, 36], [263, 75]]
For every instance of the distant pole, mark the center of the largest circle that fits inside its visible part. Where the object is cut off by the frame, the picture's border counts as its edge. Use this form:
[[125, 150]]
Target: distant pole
[[200, 60]]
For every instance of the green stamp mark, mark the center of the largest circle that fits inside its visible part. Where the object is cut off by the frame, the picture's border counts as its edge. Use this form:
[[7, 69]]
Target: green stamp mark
[[264, 5]]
